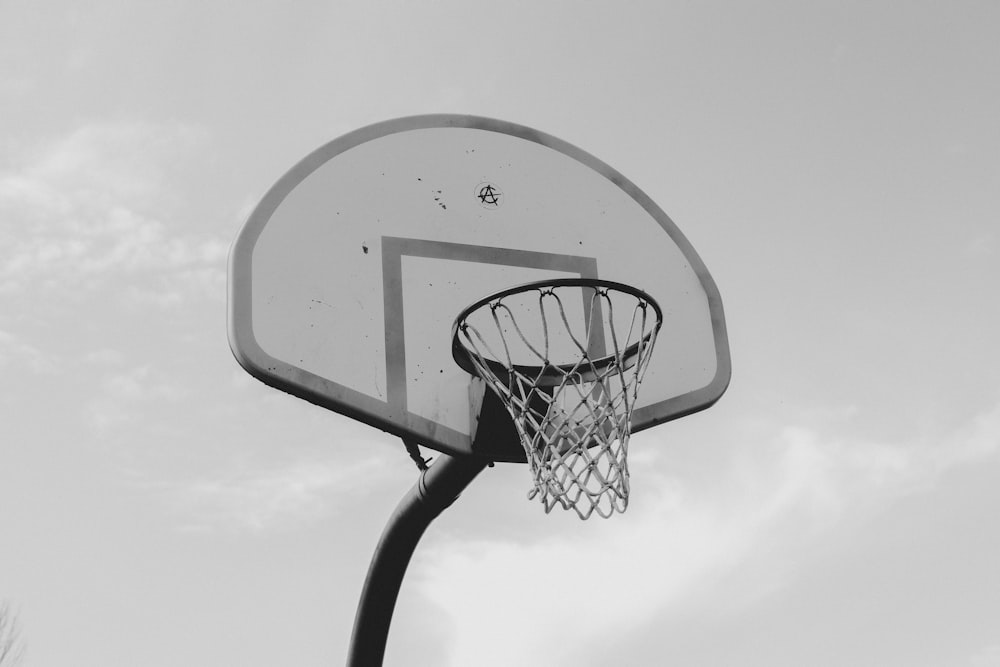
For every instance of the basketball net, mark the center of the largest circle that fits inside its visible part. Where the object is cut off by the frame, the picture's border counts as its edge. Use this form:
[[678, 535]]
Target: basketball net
[[573, 417]]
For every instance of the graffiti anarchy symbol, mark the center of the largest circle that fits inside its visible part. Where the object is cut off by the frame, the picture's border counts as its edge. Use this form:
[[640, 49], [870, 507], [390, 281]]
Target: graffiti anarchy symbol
[[489, 195]]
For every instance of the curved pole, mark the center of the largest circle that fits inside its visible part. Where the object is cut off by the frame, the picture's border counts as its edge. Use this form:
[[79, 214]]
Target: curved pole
[[437, 488]]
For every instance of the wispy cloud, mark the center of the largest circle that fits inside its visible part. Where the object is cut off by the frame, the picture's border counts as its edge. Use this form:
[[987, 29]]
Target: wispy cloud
[[99, 203], [982, 246], [15, 351], [988, 657], [672, 550], [124, 396], [262, 499]]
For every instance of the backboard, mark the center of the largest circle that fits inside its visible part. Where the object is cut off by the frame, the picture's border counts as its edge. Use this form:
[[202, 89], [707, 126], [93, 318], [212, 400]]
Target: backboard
[[347, 277]]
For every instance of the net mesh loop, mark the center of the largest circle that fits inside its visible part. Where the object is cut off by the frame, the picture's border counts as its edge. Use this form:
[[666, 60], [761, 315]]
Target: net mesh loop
[[573, 413]]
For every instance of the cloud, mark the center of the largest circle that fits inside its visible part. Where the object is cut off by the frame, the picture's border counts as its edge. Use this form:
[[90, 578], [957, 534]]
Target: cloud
[[14, 351], [101, 202], [683, 548], [561, 594], [982, 246], [125, 396], [988, 657], [104, 357], [260, 500]]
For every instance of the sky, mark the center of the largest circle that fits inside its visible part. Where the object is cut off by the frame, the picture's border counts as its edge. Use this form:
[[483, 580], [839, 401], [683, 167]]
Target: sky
[[835, 164]]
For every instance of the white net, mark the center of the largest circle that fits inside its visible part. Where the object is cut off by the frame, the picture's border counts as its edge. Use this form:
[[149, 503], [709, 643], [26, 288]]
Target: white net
[[566, 358]]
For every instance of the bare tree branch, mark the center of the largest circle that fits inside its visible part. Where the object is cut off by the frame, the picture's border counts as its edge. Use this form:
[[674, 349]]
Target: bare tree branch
[[11, 648]]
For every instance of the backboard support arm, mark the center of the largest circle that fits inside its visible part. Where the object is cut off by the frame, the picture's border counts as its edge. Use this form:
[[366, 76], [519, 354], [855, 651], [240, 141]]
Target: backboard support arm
[[436, 489]]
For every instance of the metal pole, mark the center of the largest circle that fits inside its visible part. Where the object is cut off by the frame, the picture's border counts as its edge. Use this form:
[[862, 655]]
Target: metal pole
[[437, 488]]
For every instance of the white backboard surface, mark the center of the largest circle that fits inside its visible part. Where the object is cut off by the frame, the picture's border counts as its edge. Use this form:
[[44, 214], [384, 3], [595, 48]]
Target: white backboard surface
[[346, 279]]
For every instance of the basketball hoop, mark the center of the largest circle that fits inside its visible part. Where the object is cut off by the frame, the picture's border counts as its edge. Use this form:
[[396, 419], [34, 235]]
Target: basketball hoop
[[346, 275], [568, 374]]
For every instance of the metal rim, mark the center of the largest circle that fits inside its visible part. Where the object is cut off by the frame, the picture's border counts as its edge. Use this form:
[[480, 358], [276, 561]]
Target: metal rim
[[553, 372]]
